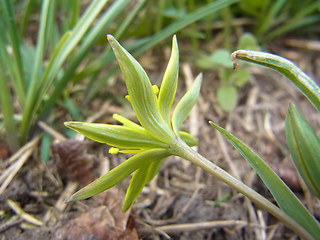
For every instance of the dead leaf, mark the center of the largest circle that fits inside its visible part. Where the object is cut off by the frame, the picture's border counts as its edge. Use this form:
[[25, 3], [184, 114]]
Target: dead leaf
[[103, 221], [73, 161]]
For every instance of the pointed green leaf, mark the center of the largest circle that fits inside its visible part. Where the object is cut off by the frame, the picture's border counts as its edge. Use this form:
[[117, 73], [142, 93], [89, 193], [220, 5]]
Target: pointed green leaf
[[116, 135], [304, 147], [119, 173], [306, 85], [139, 179], [287, 201], [169, 83], [185, 105], [126, 122], [142, 97]]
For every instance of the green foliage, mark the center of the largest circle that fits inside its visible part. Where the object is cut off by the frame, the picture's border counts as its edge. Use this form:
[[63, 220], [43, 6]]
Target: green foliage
[[275, 18], [230, 81], [64, 47], [304, 147], [302, 140], [227, 97]]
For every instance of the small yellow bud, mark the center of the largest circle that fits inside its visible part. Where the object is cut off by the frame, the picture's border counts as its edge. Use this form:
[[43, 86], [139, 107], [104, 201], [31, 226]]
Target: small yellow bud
[[114, 150], [128, 98], [155, 89]]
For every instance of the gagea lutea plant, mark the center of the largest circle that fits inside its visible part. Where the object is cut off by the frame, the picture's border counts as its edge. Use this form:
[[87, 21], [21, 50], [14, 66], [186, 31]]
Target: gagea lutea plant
[[158, 136]]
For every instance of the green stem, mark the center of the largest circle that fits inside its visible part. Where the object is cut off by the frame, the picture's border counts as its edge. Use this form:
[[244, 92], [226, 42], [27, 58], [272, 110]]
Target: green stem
[[179, 148]]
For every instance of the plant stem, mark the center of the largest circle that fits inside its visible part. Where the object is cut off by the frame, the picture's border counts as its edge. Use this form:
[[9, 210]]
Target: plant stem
[[179, 148]]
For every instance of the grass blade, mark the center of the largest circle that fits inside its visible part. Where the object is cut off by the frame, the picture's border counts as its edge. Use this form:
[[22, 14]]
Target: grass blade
[[7, 111], [306, 85], [269, 18], [15, 43], [63, 50], [29, 4], [13, 72], [34, 85], [202, 12], [287, 201], [87, 44]]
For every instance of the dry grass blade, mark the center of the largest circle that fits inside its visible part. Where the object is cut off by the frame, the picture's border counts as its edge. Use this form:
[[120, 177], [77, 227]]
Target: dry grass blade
[[22, 155], [19, 211]]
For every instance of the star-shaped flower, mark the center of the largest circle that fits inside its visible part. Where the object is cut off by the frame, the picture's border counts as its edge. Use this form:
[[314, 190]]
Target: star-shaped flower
[[152, 141]]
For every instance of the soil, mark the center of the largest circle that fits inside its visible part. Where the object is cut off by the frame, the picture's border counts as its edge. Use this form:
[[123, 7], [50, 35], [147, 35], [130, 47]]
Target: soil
[[183, 201]]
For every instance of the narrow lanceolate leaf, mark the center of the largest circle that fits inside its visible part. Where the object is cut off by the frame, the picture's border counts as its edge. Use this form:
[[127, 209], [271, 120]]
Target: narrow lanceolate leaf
[[142, 97], [169, 83], [306, 85], [119, 173], [287, 201], [139, 179], [185, 105], [116, 135], [126, 122], [304, 147]]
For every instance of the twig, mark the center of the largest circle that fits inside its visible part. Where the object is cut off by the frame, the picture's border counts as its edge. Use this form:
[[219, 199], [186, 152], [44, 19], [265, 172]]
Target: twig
[[19, 211], [189, 227], [51, 131]]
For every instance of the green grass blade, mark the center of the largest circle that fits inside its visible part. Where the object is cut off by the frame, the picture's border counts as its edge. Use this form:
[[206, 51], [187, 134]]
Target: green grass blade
[[267, 20], [202, 12], [287, 201], [34, 85], [29, 5], [7, 111], [46, 141], [13, 72], [68, 46], [87, 44], [128, 20], [291, 26], [306, 85], [74, 13], [63, 50], [8, 16]]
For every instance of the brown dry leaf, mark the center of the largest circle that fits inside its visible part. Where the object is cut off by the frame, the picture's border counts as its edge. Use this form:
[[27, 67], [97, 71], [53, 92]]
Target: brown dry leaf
[[4, 150], [104, 220], [74, 163]]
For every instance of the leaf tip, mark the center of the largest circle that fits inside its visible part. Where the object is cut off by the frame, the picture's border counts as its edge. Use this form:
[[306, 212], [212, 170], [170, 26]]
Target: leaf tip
[[68, 200], [110, 37], [72, 124]]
